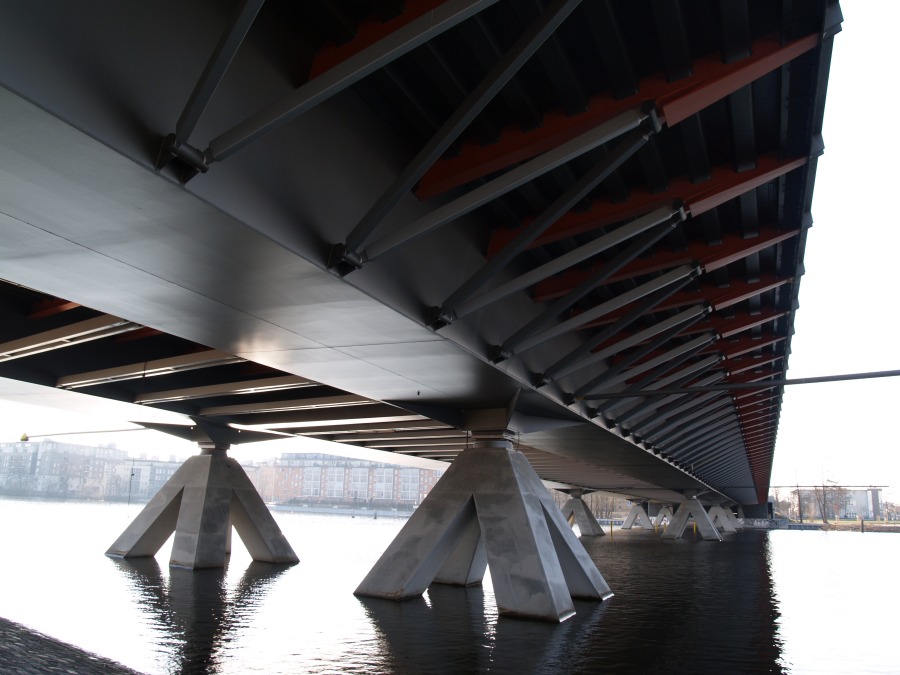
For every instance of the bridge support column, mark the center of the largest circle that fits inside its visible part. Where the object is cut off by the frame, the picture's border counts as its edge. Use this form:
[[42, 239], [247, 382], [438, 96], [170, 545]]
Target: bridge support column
[[490, 507], [688, 508], [200, 503], [720, 519], [637, 517], [576, 510], [733, 518], [664, 512]]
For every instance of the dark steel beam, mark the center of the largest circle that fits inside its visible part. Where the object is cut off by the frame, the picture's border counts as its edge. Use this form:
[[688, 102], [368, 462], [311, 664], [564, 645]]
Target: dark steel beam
[[609, 306], [462, 117], [343, 75], [724, 185], [711, 81], [616, 375], [732, 248], [460, 302], [601, 275]]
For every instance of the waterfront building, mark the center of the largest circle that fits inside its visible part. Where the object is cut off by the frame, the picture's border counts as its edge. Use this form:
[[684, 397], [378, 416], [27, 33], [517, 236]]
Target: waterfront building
[[321, 479], [49, 468]]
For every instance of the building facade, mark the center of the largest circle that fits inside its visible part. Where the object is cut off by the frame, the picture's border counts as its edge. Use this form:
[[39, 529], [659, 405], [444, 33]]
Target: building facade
[[330, 480]]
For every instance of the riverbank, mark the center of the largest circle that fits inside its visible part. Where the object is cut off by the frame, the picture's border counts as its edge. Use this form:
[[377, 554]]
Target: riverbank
[[23, 650]]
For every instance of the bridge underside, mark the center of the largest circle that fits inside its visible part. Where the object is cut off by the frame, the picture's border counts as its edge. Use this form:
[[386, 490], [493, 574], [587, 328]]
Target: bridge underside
[[382, 224]]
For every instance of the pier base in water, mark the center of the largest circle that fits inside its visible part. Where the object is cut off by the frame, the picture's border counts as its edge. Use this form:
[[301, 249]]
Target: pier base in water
[[720, 518], [490, 508], [664, 514], [637, 517], [576, 510], [200, 503], [688, 508]]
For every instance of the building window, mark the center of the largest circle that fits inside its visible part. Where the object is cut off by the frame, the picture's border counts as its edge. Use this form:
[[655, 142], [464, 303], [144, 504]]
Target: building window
[[334, 481], [409, 485], [359, 483], [384, 483], [312, 481]]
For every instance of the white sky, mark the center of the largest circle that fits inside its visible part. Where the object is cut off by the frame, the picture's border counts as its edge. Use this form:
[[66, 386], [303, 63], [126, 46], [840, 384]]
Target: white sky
[[847, 321]]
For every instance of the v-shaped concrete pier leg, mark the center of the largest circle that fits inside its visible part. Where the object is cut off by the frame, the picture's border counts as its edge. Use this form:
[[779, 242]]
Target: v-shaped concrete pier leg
[[537, 563], [720, 519], [576, 510], [637, 517], [688, 508], [208, 494], [665, 512]]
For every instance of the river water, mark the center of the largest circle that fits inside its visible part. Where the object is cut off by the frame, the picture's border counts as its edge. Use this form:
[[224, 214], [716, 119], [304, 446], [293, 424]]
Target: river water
[[782, 601]]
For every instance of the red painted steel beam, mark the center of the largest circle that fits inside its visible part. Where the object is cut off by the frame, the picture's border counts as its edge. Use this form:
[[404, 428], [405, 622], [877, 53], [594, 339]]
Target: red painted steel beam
[[50, 307], [368, 32], [732, 248], [719, 298], [729, 327], [712, 80], [723, 185]]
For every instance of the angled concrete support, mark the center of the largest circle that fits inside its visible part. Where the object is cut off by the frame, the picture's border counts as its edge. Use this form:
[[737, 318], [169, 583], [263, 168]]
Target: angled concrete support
[[664, 516], [637, 517], [490, 506], [688, 508], [208, 495], [576, 512], [720, 519]]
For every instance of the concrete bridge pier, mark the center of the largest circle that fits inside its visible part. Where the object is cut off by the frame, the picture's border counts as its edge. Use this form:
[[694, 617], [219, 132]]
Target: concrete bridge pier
[[637, 517], [200, 503], [575, 511], [490, 507], [665, 511], [720, 519], [692, 507]]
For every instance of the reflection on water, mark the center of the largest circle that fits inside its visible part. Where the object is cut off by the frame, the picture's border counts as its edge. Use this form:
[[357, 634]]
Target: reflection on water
[[758, 602], [196, 610]]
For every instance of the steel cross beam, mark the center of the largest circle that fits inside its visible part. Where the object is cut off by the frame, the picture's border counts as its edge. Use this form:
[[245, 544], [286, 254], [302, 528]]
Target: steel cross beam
[[616, 375], [343, 75], [683, 320], [724, 185], [665, 406], [710, 434], [609, 306], [684, 375], [175, 145], [458, 304], [712, 258], [501, 185], [547, 317], [470, 108], [711, 80]]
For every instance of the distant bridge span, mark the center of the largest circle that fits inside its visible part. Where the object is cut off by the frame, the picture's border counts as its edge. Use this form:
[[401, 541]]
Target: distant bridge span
[[399, 224]]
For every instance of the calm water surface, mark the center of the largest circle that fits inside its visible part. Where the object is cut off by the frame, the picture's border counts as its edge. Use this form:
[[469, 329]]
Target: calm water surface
[[785, 601]]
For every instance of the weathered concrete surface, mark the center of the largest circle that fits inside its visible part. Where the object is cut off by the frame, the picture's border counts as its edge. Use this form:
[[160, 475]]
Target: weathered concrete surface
[[637, 517], [688, 508], [575, 509], [206, 496], [537, 563]]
